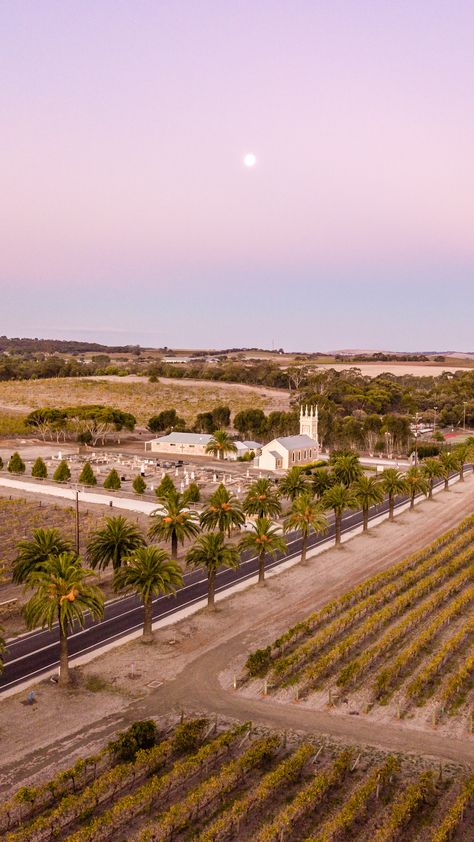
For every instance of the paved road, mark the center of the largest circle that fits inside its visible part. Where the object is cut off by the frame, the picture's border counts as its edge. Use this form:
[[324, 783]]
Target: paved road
[[33, 654]]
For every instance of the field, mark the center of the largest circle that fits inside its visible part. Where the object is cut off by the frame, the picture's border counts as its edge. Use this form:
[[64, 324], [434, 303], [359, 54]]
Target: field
[[138, 396], [208, 783], [400, 644]]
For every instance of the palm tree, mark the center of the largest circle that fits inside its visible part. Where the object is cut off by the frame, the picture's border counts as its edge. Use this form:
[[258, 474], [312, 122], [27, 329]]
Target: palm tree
[[393, 483], [220, 444], [224, 512], [322, 479], [416, 483], [262, 499], [117, 539], [211, 553], [449, 462], [464, 454], [306, 515], [369, 492], [294, 483], [346, 468], [148, 572], [174, 522], [63, 594], [263, 540], [432, 469], [339, 498], [33, 553]]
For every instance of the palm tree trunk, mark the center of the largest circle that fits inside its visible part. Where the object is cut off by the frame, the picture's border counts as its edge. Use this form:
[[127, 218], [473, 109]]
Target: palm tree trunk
[[365, 519], [261, 568], [304, 547], [64, 677], [391, 506], [338, 524], [430, 493], [211, 590], [412, 500], [174, 546], [148, 619], [446, 482], [461, 472]]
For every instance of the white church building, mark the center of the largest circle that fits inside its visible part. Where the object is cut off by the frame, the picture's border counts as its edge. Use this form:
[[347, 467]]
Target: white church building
[[286, 452]]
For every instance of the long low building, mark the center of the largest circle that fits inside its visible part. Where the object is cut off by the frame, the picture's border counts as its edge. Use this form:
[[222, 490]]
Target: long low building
[[194, 444]]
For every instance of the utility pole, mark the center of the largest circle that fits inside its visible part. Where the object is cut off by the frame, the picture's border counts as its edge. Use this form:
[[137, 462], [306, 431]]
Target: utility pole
[[417, 415], [464, 416], [77, 520]]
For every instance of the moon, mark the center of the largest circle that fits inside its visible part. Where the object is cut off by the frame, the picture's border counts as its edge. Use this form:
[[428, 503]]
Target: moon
[[250, 160]]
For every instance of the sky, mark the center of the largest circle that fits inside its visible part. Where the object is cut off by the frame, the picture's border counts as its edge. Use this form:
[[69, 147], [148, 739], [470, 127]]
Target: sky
[[126, 211]]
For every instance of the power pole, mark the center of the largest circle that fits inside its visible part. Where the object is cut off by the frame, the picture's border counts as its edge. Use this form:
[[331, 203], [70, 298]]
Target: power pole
[[77, 521]]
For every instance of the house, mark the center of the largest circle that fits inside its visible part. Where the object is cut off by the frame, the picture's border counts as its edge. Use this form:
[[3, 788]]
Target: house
[[287, 451], [243, 448], [179, 444]]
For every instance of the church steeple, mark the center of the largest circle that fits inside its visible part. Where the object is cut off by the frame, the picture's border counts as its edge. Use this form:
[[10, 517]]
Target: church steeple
[[309, 422]]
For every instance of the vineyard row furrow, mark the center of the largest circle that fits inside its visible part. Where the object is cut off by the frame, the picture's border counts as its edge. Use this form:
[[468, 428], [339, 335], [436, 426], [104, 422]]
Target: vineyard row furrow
[[455, 815], [417, 687], [410, 800], [458, 681]]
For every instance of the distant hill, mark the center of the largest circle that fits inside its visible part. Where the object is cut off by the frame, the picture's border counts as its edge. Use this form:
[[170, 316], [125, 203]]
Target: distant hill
[[61, 346]]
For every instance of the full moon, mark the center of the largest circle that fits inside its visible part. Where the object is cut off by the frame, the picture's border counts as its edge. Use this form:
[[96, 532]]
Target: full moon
[[250, 160]]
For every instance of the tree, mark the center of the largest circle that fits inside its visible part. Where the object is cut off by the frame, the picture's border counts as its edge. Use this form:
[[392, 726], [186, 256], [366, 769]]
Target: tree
[[449, 463], [221, 417], [294, 483], [139, 484], [165, 421], [346, 468], [165, 487], [16, 464], [321, 480], [192, 494], [464, 453], [416, 483], [251, 422], [148, 572], [263, 540], [87, 476], [62, 472], [369, 492], [393, 483], [33, 553], [220, 444], [262, 499], [174, 522], [1, 463], [305, 516], [432, 469], [63, 594], [115, 541], [211, 553], [339, 498], [112, 482], [39, 469], [223, 512]]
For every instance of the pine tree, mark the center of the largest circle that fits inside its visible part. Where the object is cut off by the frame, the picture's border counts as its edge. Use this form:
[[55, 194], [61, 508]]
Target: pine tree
[[39, 469], [165, 487], [16, 464], [62, 472], [87, 476], [139, 484], [1, 463], [112, 482]]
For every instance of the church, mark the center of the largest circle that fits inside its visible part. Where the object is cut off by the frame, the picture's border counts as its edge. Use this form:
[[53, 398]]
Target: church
[[283, 453]]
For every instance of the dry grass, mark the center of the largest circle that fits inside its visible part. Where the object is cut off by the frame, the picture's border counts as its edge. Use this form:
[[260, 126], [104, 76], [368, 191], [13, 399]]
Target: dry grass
[[138, 396]]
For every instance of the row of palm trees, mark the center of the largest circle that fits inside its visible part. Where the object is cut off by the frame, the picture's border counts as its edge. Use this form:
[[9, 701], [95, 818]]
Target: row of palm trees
[[64, 589]]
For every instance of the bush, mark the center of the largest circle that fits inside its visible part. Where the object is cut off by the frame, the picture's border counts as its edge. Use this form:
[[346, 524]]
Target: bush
[[165, 487], [112, 482], [139, 484], [16, 464], [62, 472], [85, 437], [39, 469], [192, 493], [140, 735], [426, 450], [87, 476], [188, 735], [258, 662]]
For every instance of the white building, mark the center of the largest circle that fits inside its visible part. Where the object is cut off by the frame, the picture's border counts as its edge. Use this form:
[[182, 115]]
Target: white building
[[286, 452], [180, 444]]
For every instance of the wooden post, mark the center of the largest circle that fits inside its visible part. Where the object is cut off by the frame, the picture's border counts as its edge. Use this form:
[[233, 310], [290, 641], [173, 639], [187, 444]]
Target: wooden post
[[433, 719], [469, 723], [330, 697], [297, 694], [265, 687], [398, 710], [235, 681]]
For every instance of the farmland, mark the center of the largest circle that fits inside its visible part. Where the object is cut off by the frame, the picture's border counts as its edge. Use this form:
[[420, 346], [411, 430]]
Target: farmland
[[137, 395], [211, 782], [399, 644]]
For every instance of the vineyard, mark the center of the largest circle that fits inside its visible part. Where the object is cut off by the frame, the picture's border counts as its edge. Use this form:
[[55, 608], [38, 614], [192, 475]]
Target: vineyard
[[209, 783], [400, 644]]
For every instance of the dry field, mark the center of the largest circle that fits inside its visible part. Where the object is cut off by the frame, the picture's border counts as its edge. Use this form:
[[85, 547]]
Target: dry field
[[211, 783], [398, 645], [138, 396]]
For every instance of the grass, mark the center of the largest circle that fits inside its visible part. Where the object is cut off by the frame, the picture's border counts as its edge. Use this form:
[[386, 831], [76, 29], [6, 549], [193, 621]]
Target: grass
[[141, 398]]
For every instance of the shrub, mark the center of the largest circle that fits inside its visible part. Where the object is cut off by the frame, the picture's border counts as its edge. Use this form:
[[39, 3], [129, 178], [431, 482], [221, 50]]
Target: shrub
[[193, 493], [258, 662], [16, 464], [85, 437], [87, 476], [112, 482], [165, 487], [427, 450], [140, 735], [139, 484], [188, 735], [62, 472], [39, 469]]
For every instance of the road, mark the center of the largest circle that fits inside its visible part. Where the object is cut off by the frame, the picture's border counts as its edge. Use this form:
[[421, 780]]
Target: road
[[35, 653]]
